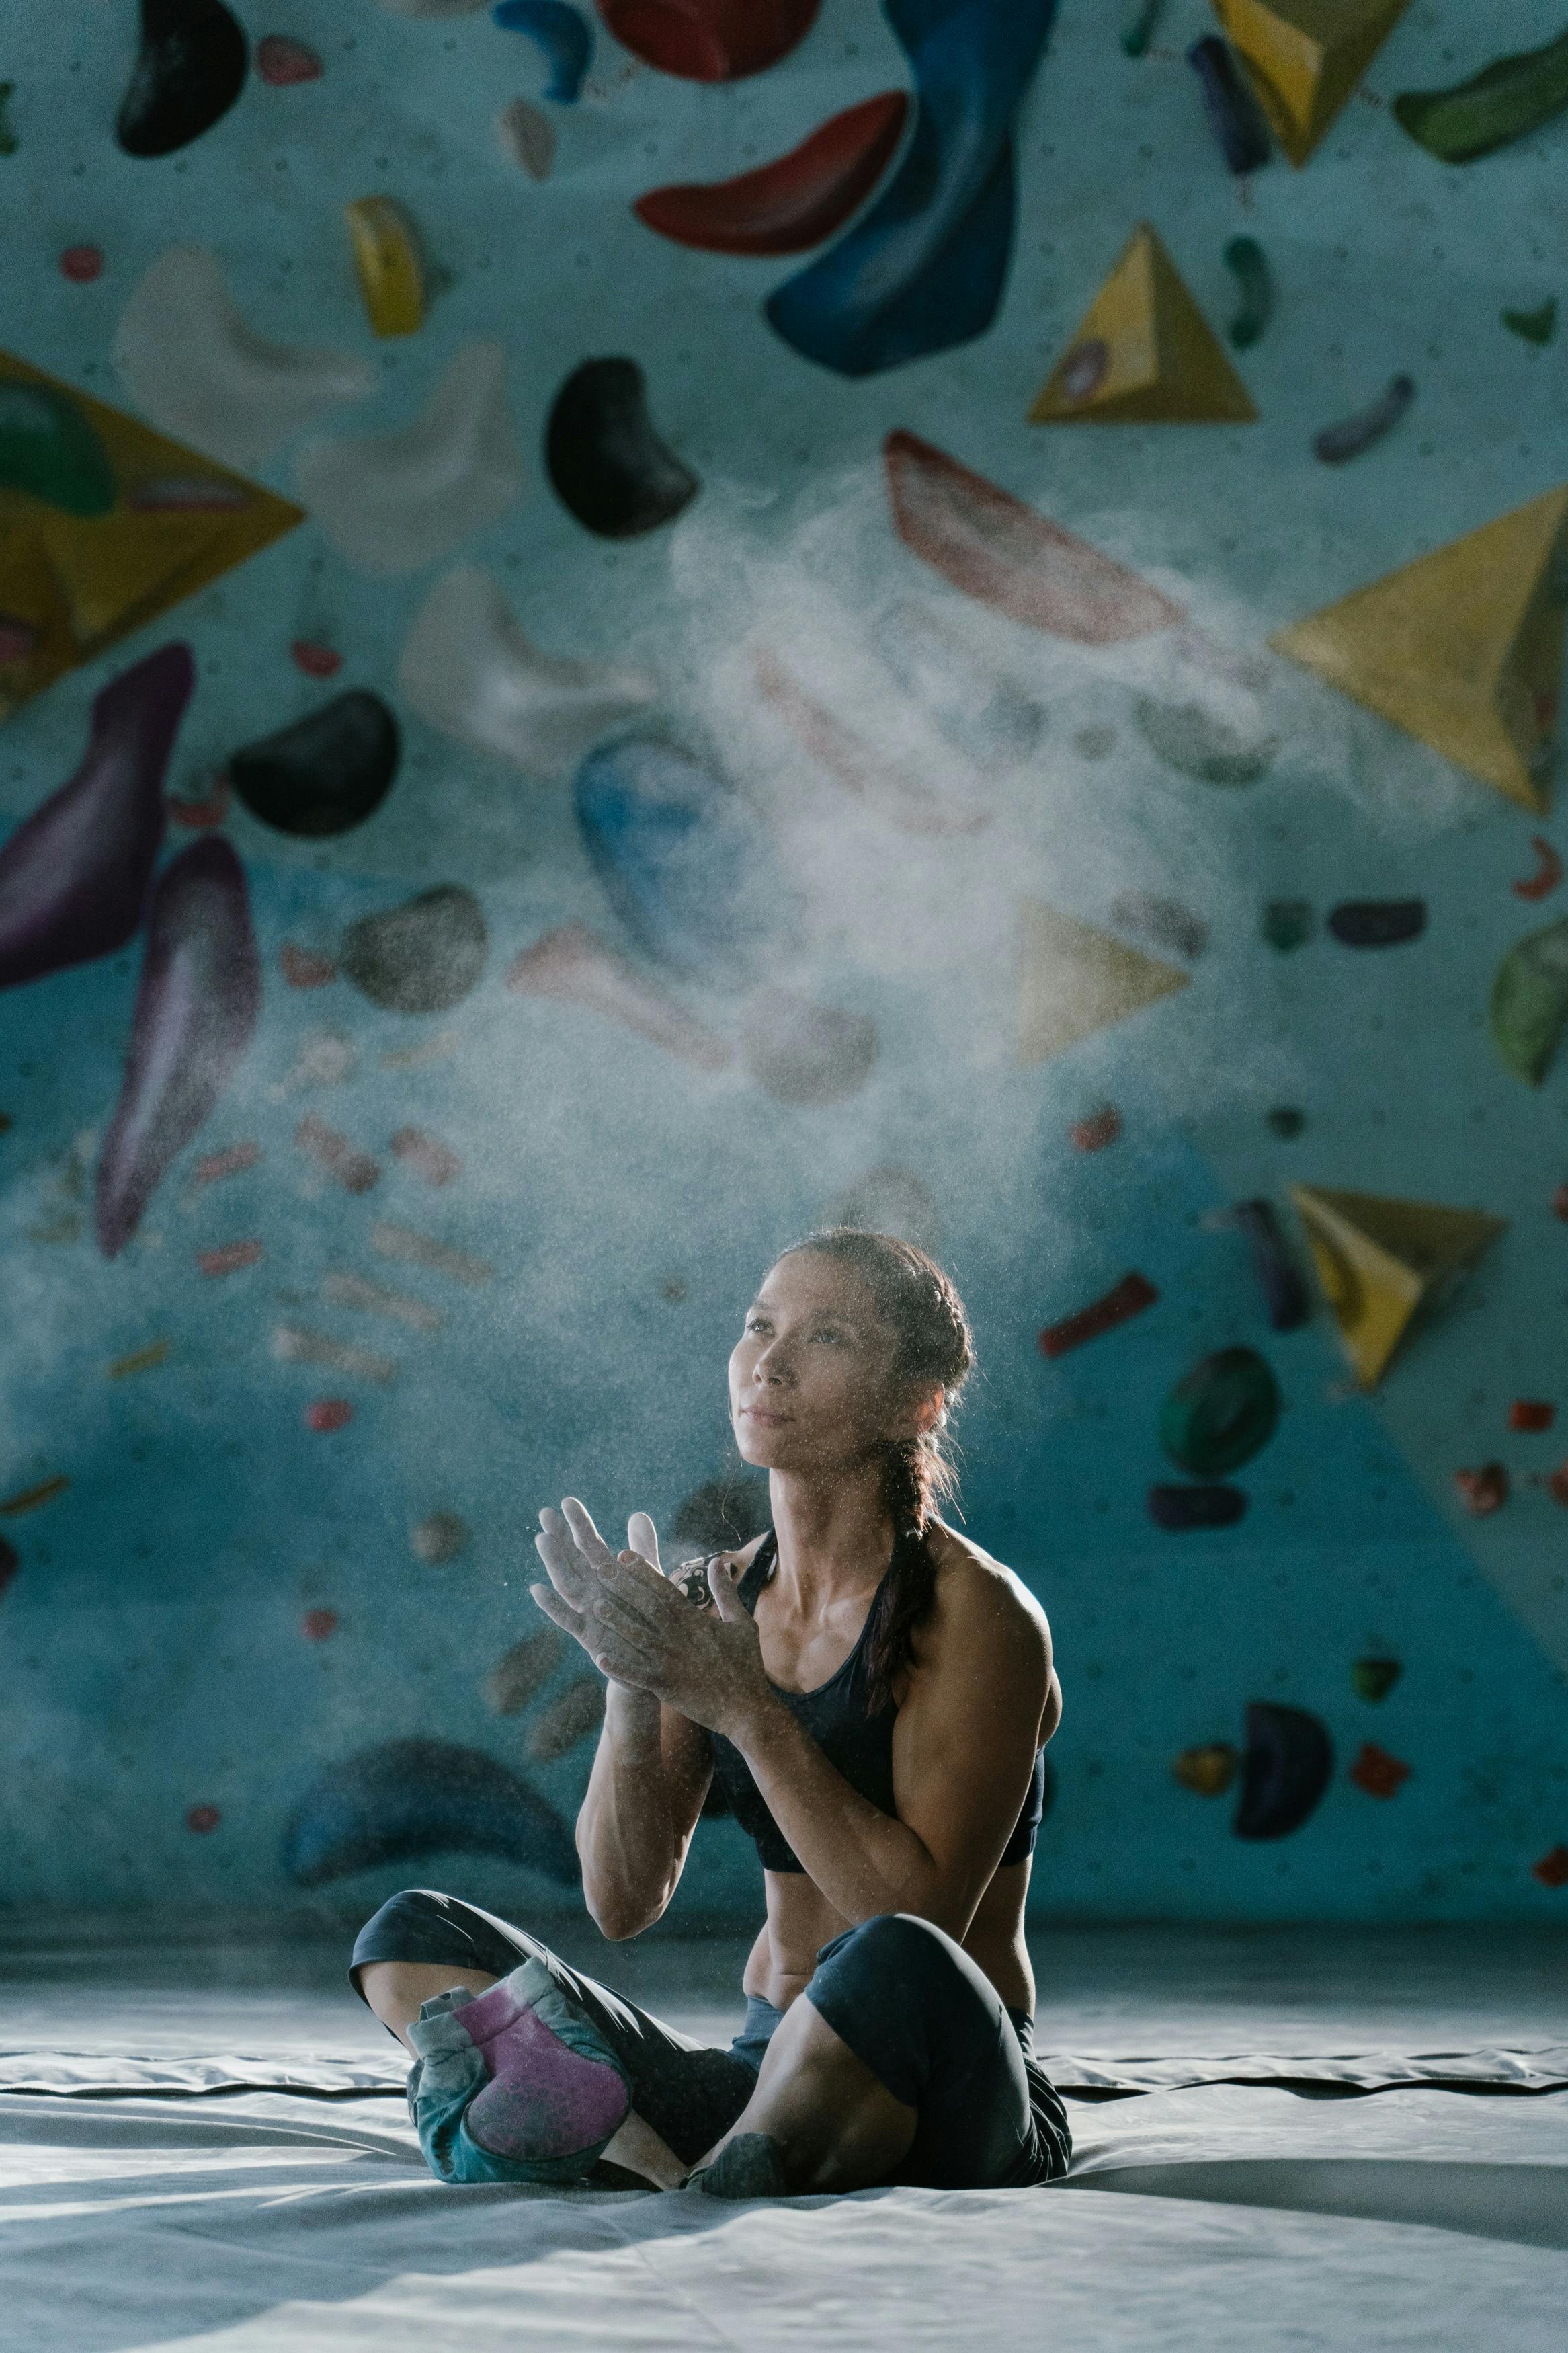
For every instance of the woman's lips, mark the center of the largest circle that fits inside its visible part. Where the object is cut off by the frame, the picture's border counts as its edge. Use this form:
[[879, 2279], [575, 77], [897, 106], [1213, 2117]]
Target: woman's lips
[[760, 1413]]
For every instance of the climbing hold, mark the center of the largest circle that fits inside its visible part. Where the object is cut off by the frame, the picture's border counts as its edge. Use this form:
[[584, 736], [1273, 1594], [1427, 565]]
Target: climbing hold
[[913, 803], [230, 1258], [608, 466], [232, 1162], [1557, 1485], [140, 1360], [1286, 923], [326, 1060], [188, 359], [1559, 1202], [326, 773], [1284, 1771], [1220, 1414], [1531, 1414], [1126, 1299], [1384, 1263], [804, 1053], [422, 957], [1284, 1292], [1377, 923], [74, 875], [579, 1711], [1482, 1491], [795, 202], [405, 1800], [1285, 1121], [1552, 1869], [1529, 1001], [1541, 884], [468, 668], [1233, 114], [1165, 923], [314, 658], [1179, 1510], [564, 38], [199, 816], [1155, 359], [283, 62], [203, 1819], [1506, 100], [411, 1249], [1198, 743], [301, 969], [82, 263], [1374, 1678], [422, 9], [1135, 40], [1378, 1773], [9, 142], [527, 138], [1075, 980], [10, 1563], [979, 712], [573, 963], [1305, 58], [439, 1539], [710, 40], [389, 264], [319, 1625], [426, 1155], [353, 1290], [683, 861], [28, 1499], [995, 549], [924, 266], [354, 1170], [1336, 443], [515, 1677], [50, 450], [1534, 326], [327, 1414], [1463, 648], [888, 1200], [1208, 1771], [197, 1009], [295, 1344], [1255, 281], [191, 70], [1094, 1135], [395, 501]]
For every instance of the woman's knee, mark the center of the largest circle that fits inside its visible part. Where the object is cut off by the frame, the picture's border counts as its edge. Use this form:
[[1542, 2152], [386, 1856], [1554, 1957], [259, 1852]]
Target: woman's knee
[[896, 1942]]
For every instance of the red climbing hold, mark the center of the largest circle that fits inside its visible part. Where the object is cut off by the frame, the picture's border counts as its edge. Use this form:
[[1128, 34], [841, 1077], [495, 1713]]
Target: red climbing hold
[[319, 1625], [1131, 1296], [315, 659], [355, 1171], [1484, 1491], [202, 813], [202, 1818], [328, 1413], [1557, 1485], [216, 1166], [229, 1258], [1544, 881], [426, 1155], [1552, 1869], [82, 263], [1559, 1202], [710, 40], [793, 203], [284, 61], [300, 969], [1378, 1773], [1094, 1135], [1531, 1413]]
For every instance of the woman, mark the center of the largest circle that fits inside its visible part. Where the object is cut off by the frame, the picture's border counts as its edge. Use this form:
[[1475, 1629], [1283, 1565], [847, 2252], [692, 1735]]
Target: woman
[[873, 1695]]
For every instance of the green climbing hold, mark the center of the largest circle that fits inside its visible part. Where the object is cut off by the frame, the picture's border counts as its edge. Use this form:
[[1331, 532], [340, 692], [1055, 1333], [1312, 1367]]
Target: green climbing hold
[[1535, 326], [1220, 1414], [9, 142], [48, 448], [1135, 40], [1287, 924], [1506, 100], [1374, 1678], [1529, 1001]]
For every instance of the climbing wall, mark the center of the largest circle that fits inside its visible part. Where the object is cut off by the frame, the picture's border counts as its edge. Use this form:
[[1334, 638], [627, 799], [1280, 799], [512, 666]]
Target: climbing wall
[[625, 630]]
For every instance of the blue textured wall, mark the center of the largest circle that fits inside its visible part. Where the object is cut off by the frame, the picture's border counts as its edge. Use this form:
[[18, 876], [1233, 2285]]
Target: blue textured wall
[[152, 1642]]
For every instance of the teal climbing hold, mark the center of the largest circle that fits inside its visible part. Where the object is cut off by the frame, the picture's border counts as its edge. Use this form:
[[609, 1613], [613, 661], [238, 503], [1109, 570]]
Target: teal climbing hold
[[1530, 1002], [1246, 257], [1534, 326], [48, 448], [9, 142], [1220, 1414]]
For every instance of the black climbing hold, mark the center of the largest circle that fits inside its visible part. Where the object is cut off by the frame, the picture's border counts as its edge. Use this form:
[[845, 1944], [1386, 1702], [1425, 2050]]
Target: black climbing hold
[[1179, 1509], [1279, 1277], [1220, 1414], [1235, 116], [1285, 1121], [408, 1798], [422, 957], [1378, 923], [191, 70], [327, 773], [609, 467], [1284, 1772]]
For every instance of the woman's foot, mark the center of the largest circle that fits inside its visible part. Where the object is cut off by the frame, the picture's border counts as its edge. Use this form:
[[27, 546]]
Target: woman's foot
[[751, 2164]]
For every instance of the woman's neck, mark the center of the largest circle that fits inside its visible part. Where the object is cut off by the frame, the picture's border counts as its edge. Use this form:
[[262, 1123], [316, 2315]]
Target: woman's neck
[[833, 1540]]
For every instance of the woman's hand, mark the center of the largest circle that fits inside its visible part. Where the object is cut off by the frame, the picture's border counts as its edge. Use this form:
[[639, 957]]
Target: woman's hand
[[641, 1633]]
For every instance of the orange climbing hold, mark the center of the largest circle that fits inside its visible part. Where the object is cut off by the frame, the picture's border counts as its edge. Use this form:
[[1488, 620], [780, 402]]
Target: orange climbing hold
[[230, 1257], [1484, 1491], [314, 658], [1544, 881], [1378, 1773], [301, 969], [230, 1162], [1531, 1413]]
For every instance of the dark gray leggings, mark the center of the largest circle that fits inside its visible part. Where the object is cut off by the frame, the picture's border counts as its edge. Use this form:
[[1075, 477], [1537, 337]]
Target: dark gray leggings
[[906, 1999]]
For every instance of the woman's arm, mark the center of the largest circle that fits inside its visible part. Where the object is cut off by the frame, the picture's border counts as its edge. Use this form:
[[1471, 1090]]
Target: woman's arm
[[650, 1775]]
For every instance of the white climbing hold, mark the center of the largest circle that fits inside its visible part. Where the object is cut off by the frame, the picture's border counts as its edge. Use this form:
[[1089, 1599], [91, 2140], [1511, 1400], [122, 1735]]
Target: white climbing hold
[[527, 137]]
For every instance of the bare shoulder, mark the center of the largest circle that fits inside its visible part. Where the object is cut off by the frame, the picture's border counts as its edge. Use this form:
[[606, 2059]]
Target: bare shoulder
[[972, 1580]]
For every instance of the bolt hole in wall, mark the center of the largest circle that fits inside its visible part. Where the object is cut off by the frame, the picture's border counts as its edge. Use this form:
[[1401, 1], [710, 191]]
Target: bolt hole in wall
[[948, 619]]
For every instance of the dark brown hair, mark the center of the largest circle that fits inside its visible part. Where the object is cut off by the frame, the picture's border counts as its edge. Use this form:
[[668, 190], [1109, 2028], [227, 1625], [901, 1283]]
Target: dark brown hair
[[931, 1342]]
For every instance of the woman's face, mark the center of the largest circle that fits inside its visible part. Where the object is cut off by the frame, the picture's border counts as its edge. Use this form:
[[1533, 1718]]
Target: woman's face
[[809, 1380]]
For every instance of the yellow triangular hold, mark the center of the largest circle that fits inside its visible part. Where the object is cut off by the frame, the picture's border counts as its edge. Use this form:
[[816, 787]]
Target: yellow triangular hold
[[1074, 980], [1305, 56], [1381, 1263], [71, 584], [1462, 648], [1143, 354]]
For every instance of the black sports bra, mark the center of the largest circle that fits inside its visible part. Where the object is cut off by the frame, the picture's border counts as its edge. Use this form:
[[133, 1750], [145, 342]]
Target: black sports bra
[[856, 1743]]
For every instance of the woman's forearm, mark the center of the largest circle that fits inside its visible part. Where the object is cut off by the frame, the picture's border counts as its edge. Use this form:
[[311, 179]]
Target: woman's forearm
[[625, 1835]]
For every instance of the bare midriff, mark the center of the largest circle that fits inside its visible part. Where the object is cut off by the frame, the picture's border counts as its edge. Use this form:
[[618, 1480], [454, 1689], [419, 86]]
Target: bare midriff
[[800, 1921]]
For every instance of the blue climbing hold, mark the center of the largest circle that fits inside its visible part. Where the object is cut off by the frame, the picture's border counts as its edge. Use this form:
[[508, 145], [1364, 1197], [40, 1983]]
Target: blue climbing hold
[[1284, 1771], [924, 269], [685, 864], [565, 38], [409, 1799]]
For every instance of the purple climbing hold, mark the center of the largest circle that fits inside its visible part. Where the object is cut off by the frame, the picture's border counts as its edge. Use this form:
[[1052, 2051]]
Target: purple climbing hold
[[1278, 1276], [196, 1007], [1337, 443], [1378, 923], [1235, 116], [1179, 1509], [74, 875], [191, 70]]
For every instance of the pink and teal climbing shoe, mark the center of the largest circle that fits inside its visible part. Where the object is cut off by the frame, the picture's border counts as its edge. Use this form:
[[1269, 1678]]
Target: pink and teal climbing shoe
[[513, 2084]]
